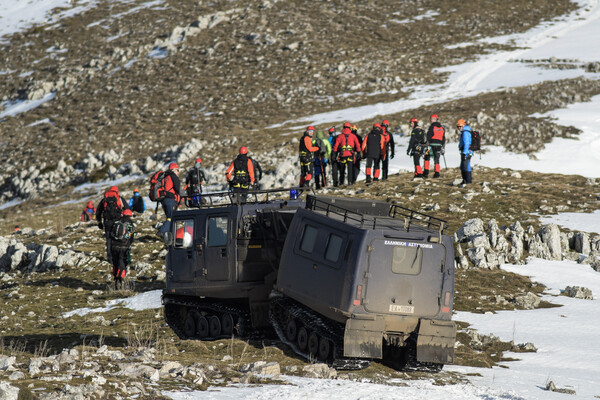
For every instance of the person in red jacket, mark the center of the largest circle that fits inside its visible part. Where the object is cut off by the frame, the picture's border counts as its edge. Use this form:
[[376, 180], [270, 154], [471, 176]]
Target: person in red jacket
[[373, 147], [240, 175], [307, 151], [436, 137], [89, 212], [344, 150]]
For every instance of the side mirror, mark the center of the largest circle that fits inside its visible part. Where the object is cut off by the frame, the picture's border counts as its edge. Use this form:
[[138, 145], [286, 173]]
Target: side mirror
[[168, 238]]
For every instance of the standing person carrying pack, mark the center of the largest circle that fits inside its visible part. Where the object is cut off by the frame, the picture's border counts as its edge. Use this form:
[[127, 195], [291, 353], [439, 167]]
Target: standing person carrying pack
[[108, 211], [193, 183], [121, 239], [464, 146], [240, 175], [165, 188], [89, 212], [436, 137], [345, 149], [373, 147], [417, 145], [357, 155], [136, 203], [307, 155]]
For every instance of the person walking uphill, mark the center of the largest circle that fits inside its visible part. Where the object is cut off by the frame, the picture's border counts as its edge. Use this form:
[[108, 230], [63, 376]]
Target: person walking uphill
[[193, 183], [389, 149], [121, 238], [464, 145], [307, 155], [108, 211], [89, 212], [417, 145], [373, 148], [436, 137], [136, 203], [344, 150], [172, 195], [240, 174]]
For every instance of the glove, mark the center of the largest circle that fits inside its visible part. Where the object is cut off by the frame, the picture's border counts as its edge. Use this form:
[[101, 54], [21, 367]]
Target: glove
[[443, 151], [325, 160], [100, 225], [392, 156]]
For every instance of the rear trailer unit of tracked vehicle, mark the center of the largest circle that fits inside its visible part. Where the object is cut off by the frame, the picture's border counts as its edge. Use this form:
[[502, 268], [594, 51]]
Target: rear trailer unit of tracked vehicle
[[222, 262], [360, 280]]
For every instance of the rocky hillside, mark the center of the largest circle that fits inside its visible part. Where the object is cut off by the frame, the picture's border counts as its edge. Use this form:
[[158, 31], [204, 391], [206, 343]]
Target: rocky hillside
[[127, 86]]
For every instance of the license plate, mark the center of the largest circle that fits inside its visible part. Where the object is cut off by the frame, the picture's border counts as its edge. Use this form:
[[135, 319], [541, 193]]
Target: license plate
[[402, 309]]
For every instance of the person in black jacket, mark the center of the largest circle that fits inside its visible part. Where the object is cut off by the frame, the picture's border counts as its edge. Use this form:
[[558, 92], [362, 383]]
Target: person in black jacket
[[417, 145], [108, 211], [193, 183], [121, 239], [257, 172], [389, 148], [373, 147], [240, 175], [436, 137]]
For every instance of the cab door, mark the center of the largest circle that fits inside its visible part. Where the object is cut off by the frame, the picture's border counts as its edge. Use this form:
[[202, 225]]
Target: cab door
[[183, 258], [218, 250]]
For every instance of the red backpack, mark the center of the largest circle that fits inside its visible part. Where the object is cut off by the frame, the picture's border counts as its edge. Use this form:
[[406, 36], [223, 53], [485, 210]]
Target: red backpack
[[158, 185]]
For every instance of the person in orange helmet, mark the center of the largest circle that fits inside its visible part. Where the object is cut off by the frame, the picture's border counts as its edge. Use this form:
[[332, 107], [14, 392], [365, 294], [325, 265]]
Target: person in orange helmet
[[240, 174], [307, 155]]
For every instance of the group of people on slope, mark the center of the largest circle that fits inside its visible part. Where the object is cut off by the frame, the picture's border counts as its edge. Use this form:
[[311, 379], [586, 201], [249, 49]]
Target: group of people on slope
[[344, 151], [424, 144]]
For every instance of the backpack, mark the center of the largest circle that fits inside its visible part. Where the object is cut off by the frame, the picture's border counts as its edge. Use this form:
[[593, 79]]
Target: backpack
[[475, 141], [121, 231], [158, 186], [112, 210], [138, 204]]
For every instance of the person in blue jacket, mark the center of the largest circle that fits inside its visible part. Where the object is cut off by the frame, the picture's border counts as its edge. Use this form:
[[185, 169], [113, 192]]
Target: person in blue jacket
[[136, 203], [464, 145]]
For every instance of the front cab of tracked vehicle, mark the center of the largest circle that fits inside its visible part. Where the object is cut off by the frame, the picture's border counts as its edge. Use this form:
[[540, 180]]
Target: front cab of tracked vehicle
[[227, 255], [389, 281]]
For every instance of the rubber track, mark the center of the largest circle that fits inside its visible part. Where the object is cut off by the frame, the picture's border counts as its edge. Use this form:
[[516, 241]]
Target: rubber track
[[282, 307], [205, 307]]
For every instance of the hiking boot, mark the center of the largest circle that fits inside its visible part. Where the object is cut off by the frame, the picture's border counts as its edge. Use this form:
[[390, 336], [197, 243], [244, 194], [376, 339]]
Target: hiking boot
[[375, 179], [426, 173], [436, 175], [368, 180]]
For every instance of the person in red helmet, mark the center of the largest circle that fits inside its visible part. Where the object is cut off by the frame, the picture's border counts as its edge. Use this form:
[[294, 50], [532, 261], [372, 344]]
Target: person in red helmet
[[389, 148], [417, 145], [307, 155], [240, 175], [121, 238], [344, 151], [172, 193], [373, 148], [436, 137], [89, 212], [109, 210], [357, 155]]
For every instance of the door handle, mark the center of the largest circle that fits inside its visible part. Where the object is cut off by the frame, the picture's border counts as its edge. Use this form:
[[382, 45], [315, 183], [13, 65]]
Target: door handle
[[224, 252]]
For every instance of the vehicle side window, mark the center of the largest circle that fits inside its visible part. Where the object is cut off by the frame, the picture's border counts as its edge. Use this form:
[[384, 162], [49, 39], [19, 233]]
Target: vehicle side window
[[309, 238], [334, 247], [184, 233], [407, 260], [217, 231]]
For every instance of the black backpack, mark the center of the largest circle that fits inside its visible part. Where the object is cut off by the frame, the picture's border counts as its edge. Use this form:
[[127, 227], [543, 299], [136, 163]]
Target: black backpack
[[138, 204], [112, 211], [121, 231], [475, 141]]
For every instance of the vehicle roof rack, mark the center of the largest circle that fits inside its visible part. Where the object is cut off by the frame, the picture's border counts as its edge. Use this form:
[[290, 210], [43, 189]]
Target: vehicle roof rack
[[229, 197], [370, 220]]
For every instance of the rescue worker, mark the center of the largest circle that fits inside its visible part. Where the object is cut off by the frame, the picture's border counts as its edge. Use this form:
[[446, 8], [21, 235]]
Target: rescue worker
[[358, 154], [89, 212], [121, 238], [417, 145], [307, 155], [464, 145], [344, 150], [321, 159], [194, 179], [389, 149], [136, 203], [335, 167], [240, 175], [173, 194], [373, 148], [257, 172], [436, 137], [108, 210]]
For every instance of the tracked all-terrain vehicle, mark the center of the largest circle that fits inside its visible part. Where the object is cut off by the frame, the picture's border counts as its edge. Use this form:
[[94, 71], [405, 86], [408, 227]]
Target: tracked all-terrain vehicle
[[344, 281]]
